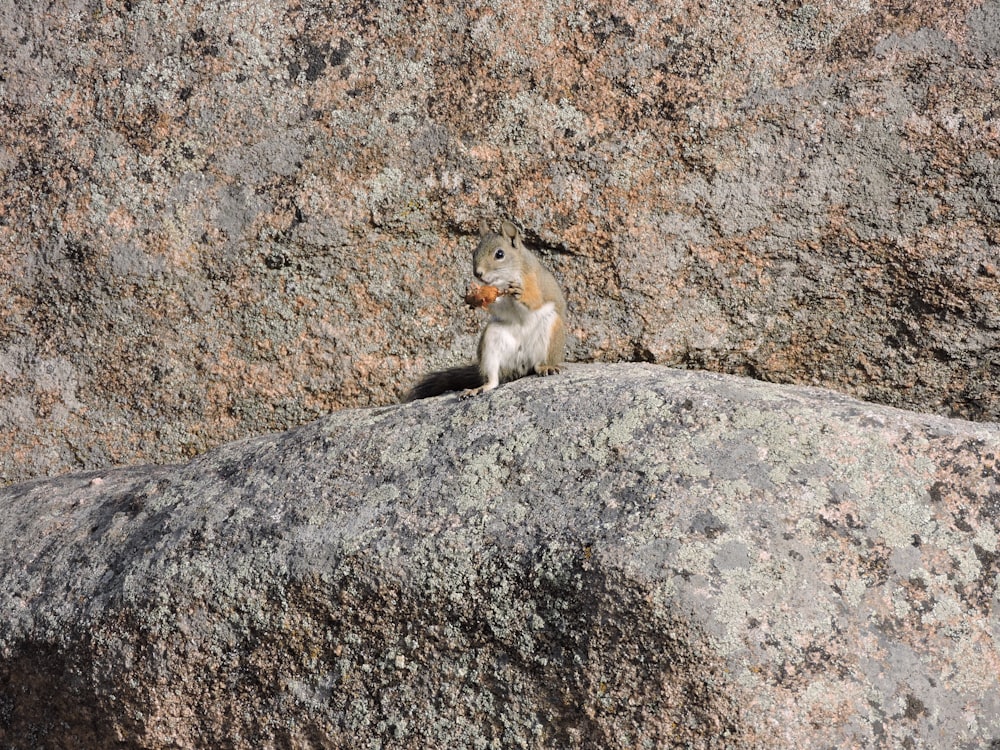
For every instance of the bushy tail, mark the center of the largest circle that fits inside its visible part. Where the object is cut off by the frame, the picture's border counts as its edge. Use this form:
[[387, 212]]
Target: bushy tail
[[452, 379]]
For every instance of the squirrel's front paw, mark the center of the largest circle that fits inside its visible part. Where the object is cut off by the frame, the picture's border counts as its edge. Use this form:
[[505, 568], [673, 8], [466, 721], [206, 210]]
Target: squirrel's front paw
[[515, 290]]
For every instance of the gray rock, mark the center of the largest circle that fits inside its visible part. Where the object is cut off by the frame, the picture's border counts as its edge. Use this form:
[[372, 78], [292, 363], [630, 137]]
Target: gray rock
[[618, 557]]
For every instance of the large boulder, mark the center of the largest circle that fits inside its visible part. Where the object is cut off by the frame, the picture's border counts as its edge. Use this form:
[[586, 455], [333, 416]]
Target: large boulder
[[224, 218], [618, 557]]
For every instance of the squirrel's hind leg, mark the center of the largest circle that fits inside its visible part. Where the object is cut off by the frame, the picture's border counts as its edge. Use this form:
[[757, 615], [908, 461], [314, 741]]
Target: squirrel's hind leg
[[556, 350], [496, 346], [492, 381]]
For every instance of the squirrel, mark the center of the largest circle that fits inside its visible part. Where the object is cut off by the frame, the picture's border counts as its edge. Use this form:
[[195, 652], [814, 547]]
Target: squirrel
[[526, 331]]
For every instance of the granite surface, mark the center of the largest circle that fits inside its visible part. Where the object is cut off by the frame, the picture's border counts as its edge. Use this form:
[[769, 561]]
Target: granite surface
[[226, 218], [622, 556]]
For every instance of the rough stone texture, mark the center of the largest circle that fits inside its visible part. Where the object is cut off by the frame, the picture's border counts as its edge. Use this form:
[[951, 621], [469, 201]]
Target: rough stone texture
[[220, 219], [624, 556]]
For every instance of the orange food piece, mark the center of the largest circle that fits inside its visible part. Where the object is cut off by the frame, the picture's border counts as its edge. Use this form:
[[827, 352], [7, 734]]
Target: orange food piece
[[481, 296]]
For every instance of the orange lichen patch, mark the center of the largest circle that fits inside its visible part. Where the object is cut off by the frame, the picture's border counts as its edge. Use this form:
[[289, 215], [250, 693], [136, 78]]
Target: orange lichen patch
[[121, 219], [481, 296]]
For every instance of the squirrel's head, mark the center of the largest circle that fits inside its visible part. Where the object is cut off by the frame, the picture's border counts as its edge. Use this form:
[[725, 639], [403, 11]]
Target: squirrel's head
[[498, 257]]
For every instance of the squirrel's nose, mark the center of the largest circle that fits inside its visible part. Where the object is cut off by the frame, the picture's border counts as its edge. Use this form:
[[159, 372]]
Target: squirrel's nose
[[478, 272]]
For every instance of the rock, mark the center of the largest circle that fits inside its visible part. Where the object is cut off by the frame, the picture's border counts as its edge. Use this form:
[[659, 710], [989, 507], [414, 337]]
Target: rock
[[228, 218], [621, 556]]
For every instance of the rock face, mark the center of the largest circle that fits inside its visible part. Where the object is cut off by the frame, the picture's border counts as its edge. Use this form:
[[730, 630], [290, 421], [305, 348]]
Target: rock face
[[619, 557], [226, 218]]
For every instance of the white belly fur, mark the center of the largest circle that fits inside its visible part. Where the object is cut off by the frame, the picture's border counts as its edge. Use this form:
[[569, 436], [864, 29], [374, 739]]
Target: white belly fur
[[514, 344]]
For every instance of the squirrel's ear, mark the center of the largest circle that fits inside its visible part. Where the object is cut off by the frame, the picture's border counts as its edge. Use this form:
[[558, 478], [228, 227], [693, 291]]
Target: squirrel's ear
[[484, 228], [509, 230]]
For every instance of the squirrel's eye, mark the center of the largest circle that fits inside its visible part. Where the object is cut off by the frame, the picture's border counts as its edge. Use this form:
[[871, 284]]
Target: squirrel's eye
[[498, 255]]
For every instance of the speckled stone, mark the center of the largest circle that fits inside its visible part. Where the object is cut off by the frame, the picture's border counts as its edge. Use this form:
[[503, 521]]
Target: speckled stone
[[618, 557], [226, 218]]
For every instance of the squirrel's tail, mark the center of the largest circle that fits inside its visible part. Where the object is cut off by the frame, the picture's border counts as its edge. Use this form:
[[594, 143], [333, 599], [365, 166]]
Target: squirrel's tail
[[452, 379]]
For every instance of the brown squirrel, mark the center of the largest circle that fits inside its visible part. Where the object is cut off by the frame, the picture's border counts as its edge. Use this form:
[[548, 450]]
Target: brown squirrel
[[526, 331]]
